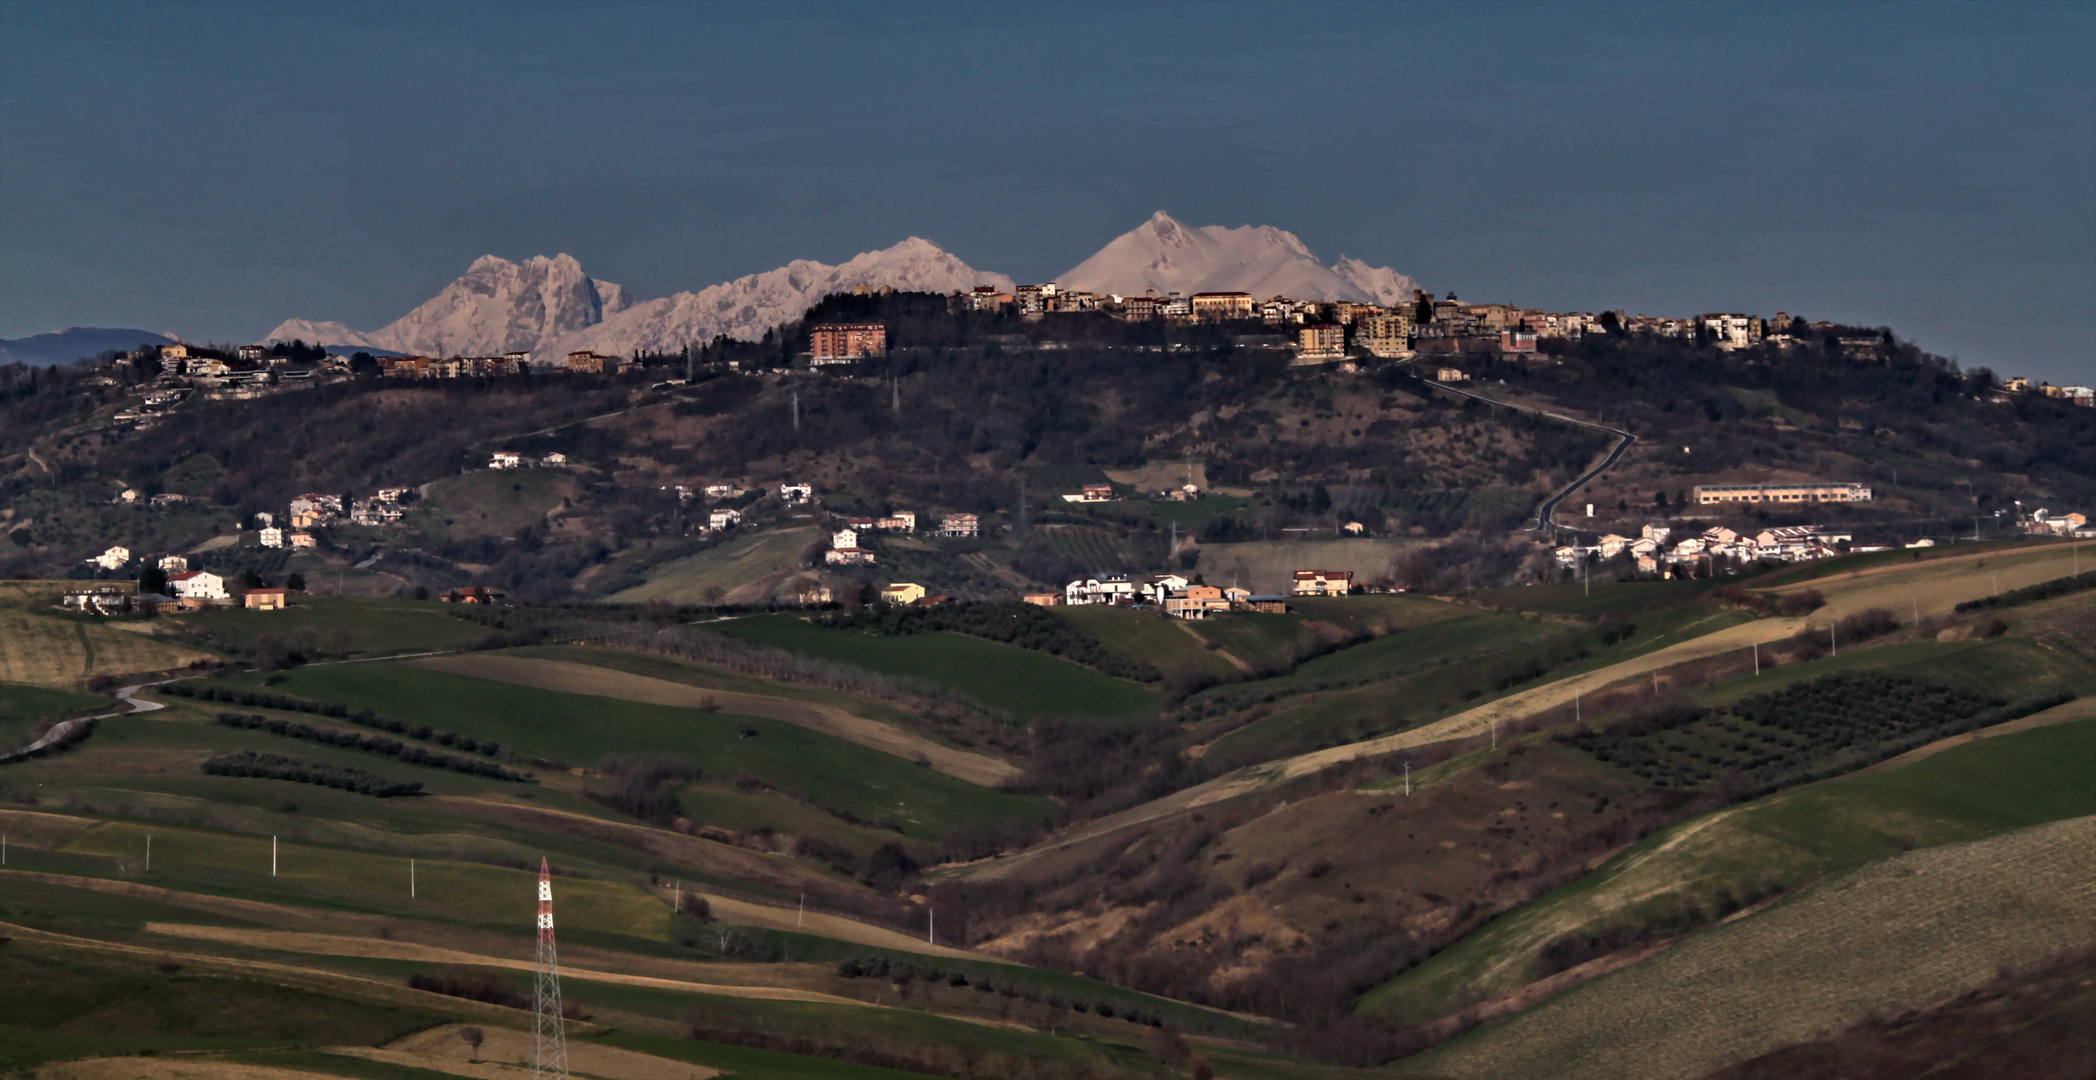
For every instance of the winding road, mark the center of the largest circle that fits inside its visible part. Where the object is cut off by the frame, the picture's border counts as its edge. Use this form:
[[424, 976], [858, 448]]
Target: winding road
[[1549, 507], [63, 729]]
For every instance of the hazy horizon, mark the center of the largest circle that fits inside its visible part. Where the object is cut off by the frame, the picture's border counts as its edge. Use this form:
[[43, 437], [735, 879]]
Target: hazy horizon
[[212, 170]]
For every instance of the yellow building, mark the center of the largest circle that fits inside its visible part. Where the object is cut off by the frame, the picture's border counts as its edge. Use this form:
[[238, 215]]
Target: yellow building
[[1217, 306], [902, 592], [1384, 335]]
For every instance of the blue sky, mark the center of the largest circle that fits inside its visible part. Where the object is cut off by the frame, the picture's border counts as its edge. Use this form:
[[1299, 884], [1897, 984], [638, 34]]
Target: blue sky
[[211, 169]]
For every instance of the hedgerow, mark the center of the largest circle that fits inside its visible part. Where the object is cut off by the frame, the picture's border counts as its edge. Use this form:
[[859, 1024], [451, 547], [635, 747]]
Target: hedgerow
[[2044, 590], [370, 744], [262, 699], [278, 767]]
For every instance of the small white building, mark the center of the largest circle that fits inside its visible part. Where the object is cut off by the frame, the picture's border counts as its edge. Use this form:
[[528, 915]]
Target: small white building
[[796, 494], [272, 537], [302, 540], [723, 518], [554, 460], [846, 537], [899, 521], [174, 564], [116, 558], [506, 459]]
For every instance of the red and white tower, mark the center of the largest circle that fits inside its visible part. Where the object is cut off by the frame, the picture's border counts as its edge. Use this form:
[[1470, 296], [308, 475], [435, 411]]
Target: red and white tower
[[549, 1041]]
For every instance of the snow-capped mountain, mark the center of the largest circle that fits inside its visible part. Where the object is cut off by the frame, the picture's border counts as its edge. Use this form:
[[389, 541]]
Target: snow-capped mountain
[[497, 306], [1164, 255], [747, 307], [549, 306]]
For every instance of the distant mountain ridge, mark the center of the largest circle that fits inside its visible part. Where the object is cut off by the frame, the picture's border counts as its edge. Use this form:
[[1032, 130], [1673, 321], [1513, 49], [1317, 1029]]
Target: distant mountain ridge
[[497, 306], [551, 307], [75, 343], [1164, 255]]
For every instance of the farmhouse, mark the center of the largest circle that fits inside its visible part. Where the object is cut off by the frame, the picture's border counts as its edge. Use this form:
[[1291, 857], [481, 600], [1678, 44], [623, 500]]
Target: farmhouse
[[723, 518], [795, 494], [902, 592], [174, 564], [506, 459], [1092, 493], [960, 526], [268, 599], [303, 540], [116, 558], [272, 537], [1323, 582], [848, 556], [198, 585], [1041, 599], [899, 521]]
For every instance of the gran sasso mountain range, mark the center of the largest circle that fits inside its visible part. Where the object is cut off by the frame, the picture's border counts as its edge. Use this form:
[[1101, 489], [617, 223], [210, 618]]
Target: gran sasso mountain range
[[552, 305]]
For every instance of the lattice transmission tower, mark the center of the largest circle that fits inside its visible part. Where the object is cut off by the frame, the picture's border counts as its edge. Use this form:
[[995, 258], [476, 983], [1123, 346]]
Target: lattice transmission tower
[[549, 1041]]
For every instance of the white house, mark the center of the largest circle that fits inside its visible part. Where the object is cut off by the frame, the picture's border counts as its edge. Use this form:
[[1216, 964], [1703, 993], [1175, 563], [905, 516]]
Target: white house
[[506, 459], [721, 519], [174, 564], [272, 537], [899, 521], [846, 537], [116, 558], [198, 585], [1612, 545], [1157, 588], [723, 491], [1323, 582], [794, 494], [1102, 588], [554, 460]]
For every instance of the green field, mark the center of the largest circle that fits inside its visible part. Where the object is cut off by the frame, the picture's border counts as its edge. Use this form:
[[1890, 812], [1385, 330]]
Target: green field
[[1784, 840], [1018, 681], [23, 707], [358, 626], [580, 729], [1147, 635], [739, 560]]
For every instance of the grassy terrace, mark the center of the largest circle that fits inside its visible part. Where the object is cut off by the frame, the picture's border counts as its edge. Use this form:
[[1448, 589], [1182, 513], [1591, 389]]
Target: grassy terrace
[[580, 729], [1018, 681]]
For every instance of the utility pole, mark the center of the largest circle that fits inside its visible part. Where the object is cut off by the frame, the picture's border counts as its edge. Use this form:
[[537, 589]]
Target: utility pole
[[272, 856], [1408, 778], [549, 1039], [411, 879], [149, 853], [796, 411], [931, 925], [1495, 733], [1834, 640], [895, 395], [802, 918], [1757, 659]]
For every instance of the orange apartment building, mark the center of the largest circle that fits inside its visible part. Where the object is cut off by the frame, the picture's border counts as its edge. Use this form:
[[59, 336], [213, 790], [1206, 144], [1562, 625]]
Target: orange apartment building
[[842, 343]]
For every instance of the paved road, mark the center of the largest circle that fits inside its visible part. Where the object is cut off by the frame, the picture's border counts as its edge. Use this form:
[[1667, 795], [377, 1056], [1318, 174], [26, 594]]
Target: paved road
[[61, 730], [1549, 507]]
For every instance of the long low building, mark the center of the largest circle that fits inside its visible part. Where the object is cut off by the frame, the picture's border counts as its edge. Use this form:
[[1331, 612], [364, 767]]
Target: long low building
[[1712, 494]]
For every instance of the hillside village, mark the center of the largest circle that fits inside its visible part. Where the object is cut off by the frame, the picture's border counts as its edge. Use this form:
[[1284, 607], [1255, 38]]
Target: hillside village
[[1426, 339]]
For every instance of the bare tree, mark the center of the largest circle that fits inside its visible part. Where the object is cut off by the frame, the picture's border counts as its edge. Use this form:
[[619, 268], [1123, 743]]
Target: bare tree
[[473, 1037]]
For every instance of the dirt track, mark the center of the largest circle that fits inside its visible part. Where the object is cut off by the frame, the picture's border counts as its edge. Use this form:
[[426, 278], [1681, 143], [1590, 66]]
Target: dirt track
[[573, 678], [381, 948]]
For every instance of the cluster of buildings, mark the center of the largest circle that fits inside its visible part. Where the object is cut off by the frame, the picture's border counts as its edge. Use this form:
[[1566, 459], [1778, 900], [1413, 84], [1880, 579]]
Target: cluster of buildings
[[1183, 598], [2074, 526], [1655, 550], [188, 590], [583, 362], [1781, 493], [847, 549]]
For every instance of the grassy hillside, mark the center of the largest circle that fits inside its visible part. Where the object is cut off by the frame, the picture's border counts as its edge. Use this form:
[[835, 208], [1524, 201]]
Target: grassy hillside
[[489, 502], [343, 625], [1883, 938], [1022, 682], [1693, 871], [23, 707], [738, 561], [42, 645], [580, 729]]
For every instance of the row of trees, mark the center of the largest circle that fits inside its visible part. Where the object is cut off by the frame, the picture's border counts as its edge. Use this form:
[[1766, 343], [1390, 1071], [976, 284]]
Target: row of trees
[[250, 763], [370, 744]]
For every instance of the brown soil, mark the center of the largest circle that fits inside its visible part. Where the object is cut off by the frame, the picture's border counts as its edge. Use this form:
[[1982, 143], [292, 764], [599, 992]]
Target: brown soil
[[441, 1048], [573, 678]]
